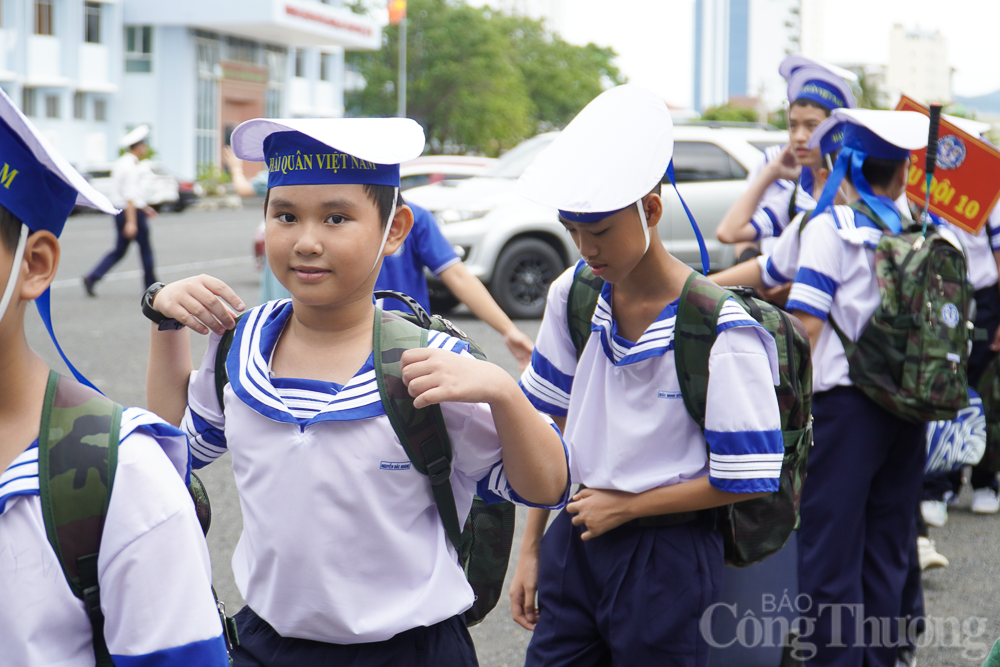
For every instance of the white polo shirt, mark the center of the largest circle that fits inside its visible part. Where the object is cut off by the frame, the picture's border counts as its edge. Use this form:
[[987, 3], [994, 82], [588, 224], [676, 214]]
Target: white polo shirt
[[153, 565], [979, 249], [627, 427], [342, 541], [126, 181]]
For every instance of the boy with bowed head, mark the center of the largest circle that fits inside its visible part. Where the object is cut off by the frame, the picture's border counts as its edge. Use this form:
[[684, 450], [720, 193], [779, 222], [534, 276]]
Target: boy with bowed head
[[152, 568], [636, 538], [343, 559], [866, 465]]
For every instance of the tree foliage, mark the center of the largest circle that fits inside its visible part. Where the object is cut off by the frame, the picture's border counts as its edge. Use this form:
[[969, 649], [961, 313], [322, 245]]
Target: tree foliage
[[730, 113], [479, 80]]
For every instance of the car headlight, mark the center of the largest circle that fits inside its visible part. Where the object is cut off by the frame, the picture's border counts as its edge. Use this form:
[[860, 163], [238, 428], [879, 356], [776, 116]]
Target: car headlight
[[450, 215]]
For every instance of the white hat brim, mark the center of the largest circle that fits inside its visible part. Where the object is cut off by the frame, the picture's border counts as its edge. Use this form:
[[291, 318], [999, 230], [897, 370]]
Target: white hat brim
[[974, 127], [796, 61], [905, 129], [803, 75], [135, 136], [610, 156], [378, 140]]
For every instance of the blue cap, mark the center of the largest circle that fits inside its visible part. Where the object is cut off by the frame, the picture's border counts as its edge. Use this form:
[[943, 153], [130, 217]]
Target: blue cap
[[293, 158], [832, 140], [825, 84]]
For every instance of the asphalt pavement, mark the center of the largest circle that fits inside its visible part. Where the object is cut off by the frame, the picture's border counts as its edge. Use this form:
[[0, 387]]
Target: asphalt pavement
[[107, 339]]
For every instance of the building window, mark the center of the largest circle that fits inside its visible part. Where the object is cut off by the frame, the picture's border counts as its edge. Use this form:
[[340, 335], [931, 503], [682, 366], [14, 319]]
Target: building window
[[324, 67], [79, 105], [100, 110], [28, 101], [92, 22], [43, 17], [300, 62], [138, 49], [52, 106]]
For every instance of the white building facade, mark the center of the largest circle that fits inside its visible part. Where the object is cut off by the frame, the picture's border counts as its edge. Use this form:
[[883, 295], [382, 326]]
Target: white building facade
[[87, 72], [738, 45], [918, 66]]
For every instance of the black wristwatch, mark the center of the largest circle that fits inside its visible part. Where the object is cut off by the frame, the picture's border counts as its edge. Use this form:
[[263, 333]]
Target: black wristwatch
[[163, 322]]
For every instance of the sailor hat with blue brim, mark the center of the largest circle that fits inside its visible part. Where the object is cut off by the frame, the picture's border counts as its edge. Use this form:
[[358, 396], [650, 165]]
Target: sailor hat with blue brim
[[819, 82], [616, 150], [40, 188], [888, 135], [331, 151]]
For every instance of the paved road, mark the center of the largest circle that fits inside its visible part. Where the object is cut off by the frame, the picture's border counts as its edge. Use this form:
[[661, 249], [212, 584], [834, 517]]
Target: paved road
[[107, 338]]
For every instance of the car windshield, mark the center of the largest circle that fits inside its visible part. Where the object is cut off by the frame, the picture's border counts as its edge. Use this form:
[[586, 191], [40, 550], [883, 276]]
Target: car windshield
[[516, 160]]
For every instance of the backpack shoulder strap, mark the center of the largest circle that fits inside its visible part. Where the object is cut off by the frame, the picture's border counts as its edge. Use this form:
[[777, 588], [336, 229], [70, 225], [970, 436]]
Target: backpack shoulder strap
[[791, 202], [695, 331], [77, 457], [421, 431], [581, 304], [221, 354]]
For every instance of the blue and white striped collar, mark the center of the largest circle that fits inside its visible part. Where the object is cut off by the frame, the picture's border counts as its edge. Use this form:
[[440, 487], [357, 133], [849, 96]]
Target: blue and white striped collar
[[248, 366], [20, 478], [855, 227], [656, 341]]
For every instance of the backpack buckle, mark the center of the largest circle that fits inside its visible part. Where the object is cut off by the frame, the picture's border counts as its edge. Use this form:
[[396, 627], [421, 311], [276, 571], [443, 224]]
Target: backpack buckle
[[439, 470], [743, 290]]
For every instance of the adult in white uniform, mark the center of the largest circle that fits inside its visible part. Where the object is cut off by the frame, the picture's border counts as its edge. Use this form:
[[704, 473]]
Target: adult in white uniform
[[132, 221]]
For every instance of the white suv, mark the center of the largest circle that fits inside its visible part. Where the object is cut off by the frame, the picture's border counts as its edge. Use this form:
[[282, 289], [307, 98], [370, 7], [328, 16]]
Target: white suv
[[518, 247]]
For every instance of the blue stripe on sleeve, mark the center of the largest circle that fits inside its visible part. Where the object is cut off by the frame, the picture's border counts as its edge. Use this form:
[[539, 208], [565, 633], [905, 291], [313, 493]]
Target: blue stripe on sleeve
[[494, 487], [206, 653], [820, 281], [806, 308], [745, 443], [208, 433], [756, 227], [774, 274], [546, 370]]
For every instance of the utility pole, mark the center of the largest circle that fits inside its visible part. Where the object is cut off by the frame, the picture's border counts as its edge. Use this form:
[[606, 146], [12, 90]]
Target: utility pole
[[397, 16]]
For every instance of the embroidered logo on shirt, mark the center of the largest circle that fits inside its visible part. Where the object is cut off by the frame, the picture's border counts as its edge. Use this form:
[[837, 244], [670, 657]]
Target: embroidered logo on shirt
[[668, 394], [394, 465], [949, 315]]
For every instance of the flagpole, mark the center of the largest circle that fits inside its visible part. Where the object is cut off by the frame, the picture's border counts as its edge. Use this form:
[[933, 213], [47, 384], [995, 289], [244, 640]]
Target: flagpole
[[401, 112]]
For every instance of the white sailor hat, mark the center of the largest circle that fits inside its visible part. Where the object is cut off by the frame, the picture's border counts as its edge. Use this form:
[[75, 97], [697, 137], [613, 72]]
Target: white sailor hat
[[137, 135], [610, 156], [311, 151], [889, 135], [820, 82], [40, 188]]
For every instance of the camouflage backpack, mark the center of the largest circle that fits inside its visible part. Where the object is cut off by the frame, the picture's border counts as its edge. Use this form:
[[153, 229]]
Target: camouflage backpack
[[484, 544], [752, 529], [912, 356], [77, 458]]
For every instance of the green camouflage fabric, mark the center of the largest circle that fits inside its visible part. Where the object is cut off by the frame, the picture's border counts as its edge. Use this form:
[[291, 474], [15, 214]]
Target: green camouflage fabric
[[484, 544], [989, 391], [912, 356], [77, 457], [753, 529]]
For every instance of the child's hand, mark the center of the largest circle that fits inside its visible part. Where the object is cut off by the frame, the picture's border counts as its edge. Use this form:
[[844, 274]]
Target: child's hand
[[440, 376], [785, 166], [523, 588], [599, 510], [520, 346], [198, 303]]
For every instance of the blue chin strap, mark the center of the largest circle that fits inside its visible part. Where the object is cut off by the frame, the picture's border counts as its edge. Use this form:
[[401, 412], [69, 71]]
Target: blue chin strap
[[854, 159], [694, 225], [45, 311]]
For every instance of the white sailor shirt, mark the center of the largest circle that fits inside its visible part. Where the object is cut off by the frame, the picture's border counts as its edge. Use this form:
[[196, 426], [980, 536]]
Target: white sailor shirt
[[342, 541], [771, 217], [153, 565], [626, 424], [979, 249]]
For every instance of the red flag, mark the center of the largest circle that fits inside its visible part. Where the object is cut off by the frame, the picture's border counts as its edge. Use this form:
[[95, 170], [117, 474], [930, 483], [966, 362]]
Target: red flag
[[965, 187], [397, 11]]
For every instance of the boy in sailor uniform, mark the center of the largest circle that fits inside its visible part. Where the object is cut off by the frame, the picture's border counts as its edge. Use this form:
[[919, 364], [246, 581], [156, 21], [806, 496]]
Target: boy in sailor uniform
[[624, 575], [343, 558], [153, 568], [866, 465], [766, 208]]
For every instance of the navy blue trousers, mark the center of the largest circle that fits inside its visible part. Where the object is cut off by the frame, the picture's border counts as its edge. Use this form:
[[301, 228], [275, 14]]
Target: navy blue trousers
[[121, 247], [633, 596], [444, 644], [855, 539]]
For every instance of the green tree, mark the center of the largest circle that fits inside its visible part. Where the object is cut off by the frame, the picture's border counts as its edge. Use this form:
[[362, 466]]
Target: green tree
[[730, 113], [478, 79]]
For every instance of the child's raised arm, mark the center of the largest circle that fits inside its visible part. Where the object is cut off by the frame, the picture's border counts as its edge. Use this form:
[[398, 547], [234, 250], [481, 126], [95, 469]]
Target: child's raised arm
[[196, 303], [534, 459]]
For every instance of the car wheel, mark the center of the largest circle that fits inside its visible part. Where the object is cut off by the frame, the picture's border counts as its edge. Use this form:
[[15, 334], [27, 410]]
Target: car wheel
[[522, 277]]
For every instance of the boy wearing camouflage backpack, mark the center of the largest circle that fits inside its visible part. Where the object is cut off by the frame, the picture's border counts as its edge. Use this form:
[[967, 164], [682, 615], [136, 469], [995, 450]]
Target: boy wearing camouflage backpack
[[102, 558], [639, 536], [880, 371], [344, 557]]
